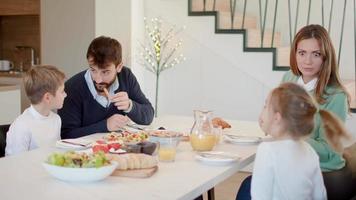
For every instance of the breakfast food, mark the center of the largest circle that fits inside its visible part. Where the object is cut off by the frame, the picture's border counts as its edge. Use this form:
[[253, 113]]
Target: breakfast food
[[106, 92], [78, 160], [106, 146], [165, 133], [126, 137], [134, 161], [203, 142], [218, 122]]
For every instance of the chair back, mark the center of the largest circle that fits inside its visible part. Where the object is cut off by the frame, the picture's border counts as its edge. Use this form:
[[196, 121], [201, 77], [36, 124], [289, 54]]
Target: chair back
[[3, 131]]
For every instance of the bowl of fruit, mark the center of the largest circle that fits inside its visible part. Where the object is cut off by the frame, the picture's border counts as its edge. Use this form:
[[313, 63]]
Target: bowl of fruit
[[79, 167]]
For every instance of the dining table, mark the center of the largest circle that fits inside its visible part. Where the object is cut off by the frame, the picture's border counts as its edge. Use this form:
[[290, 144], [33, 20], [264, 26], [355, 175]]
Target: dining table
[[22, 176]]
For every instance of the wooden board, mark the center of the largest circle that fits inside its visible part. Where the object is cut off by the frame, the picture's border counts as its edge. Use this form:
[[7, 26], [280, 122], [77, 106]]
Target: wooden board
[[136, 173]]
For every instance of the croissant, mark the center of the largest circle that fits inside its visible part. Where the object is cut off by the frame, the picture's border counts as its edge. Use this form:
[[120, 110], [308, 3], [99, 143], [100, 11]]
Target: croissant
[[217, 121], [134, 161]]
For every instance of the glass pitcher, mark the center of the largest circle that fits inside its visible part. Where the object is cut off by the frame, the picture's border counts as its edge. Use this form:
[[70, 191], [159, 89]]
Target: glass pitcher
[[202, 136]]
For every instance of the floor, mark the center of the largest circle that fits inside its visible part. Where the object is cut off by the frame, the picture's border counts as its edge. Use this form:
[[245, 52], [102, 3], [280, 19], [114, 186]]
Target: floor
[[227, 190]]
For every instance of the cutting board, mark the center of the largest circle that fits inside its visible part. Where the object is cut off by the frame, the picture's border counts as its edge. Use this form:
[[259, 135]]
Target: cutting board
[[136, 173]]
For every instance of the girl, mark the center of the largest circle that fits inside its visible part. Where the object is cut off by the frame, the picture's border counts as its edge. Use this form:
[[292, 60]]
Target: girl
[[288, 167]]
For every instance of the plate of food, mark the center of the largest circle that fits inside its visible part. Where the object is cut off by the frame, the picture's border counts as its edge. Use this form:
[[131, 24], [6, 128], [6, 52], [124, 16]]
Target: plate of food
[[165, 135], [217, 157], [79, 167], [127, 137]]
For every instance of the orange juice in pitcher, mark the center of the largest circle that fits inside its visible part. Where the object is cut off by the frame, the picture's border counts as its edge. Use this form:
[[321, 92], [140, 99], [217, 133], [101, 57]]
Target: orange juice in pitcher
[[202, 136]]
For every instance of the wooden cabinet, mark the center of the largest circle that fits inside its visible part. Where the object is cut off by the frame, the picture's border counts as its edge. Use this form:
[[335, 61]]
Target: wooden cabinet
[[20, 27], [19, 7]]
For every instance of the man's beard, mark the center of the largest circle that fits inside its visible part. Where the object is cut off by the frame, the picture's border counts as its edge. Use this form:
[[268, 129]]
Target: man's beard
[[100, 86]]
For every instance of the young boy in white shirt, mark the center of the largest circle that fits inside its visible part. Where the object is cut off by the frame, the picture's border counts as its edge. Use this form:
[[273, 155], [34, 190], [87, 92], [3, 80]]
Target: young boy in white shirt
[[38, 125]]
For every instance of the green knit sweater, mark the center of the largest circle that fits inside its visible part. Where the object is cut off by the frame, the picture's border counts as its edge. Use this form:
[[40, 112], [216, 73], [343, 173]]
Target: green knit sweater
[[336, 102]]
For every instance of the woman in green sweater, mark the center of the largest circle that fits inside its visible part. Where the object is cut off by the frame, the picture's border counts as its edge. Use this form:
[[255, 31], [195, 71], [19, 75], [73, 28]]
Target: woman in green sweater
[[314, 66]]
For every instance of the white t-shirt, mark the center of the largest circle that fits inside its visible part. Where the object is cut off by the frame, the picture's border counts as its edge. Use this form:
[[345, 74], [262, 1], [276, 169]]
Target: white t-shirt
[[32, 130], [287, 169]]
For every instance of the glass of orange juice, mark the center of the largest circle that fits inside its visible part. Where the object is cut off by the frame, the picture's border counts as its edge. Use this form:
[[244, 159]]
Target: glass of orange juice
[[167, 150]]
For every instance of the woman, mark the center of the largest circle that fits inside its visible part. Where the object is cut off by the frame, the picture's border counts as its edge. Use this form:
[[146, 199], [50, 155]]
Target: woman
[[314, 66]]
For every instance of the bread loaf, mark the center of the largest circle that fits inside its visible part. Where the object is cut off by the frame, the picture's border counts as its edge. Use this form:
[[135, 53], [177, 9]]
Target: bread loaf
[[134, 161]]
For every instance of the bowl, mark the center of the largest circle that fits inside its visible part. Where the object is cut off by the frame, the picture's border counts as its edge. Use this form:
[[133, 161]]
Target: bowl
[[80, 174], [164, 136]]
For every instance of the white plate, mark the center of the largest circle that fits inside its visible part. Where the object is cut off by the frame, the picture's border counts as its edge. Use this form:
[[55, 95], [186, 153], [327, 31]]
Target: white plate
[[74, 144], [238, 139], [217, 157], [80, 174]]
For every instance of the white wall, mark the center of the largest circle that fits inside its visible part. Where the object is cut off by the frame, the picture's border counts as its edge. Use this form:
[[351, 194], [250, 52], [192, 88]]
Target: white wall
[[67, 28], [217, 74], [113, 19]]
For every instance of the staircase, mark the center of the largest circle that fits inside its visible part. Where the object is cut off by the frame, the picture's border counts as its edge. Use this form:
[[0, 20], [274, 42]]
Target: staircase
[[231, 18]]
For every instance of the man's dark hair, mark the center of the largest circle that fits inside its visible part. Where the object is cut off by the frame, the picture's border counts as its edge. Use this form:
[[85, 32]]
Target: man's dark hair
[[104, 50]]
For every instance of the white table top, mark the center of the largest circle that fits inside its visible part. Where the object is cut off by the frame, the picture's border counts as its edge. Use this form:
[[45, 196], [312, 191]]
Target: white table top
[[23, 177]]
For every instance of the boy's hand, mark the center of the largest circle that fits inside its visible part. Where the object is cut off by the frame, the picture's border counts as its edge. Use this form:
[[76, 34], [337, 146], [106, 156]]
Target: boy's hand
[[116, 121], [121, 100]]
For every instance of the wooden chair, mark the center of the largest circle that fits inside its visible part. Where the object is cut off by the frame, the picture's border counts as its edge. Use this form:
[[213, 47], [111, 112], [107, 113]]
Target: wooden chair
[[3, 131]]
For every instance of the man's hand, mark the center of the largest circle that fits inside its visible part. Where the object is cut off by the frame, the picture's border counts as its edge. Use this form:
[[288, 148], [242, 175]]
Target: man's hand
[[121, 100], [116, 121]]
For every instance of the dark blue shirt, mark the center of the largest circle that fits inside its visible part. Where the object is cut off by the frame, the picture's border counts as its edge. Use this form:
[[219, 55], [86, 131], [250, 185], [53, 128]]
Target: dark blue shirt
[[82, 115]]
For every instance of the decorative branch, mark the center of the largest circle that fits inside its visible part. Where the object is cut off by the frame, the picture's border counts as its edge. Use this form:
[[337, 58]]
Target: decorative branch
[[159, 52]]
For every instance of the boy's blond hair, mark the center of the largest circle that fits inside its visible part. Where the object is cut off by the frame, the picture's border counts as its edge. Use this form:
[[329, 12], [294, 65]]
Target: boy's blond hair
[[42, 79]]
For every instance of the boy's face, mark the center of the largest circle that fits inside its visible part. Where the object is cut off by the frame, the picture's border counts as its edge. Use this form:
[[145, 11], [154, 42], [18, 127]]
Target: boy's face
[[57, 100], [103, 78]]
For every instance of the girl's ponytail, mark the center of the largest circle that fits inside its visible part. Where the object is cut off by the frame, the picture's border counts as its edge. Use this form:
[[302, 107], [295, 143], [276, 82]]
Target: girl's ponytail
[[334, 130]]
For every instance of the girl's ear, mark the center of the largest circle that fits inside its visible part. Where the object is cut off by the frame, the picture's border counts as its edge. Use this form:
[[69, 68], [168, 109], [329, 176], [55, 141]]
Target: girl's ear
[[277, 118]]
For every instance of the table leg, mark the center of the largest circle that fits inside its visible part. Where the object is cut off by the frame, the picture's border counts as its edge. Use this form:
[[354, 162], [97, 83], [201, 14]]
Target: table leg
[[211, 194]]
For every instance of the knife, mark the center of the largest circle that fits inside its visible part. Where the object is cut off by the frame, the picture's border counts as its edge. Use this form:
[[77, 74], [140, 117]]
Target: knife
[[75, 143], [135, 127], [214, 155]]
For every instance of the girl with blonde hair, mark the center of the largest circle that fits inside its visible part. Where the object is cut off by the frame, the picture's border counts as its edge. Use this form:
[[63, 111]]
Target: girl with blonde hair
[[288, 167]]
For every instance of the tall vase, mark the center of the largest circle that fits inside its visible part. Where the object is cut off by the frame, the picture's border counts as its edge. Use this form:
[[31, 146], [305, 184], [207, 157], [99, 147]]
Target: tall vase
[[156, 100]]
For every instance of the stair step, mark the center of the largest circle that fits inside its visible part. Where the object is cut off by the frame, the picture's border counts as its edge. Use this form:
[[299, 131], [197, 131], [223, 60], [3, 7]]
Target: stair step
[[283, 56], [220, 5], [254, 38], [225, 21]]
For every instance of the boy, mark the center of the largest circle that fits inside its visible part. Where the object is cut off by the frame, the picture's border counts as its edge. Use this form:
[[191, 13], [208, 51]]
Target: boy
[[38, 125]]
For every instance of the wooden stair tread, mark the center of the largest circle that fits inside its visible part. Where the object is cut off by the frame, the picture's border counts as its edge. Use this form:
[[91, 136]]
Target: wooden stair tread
[[198, 5]]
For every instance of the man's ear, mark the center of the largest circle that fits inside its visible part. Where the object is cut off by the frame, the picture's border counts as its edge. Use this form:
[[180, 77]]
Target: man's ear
[[119, 67]]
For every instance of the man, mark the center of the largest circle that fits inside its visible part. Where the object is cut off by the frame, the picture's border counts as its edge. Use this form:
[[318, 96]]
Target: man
[[104, 97]]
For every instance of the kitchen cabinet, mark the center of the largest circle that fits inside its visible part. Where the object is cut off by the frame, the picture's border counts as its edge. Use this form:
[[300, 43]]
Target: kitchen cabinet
[[20, 39], [9, 103], [20, 7], [18, 81]]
